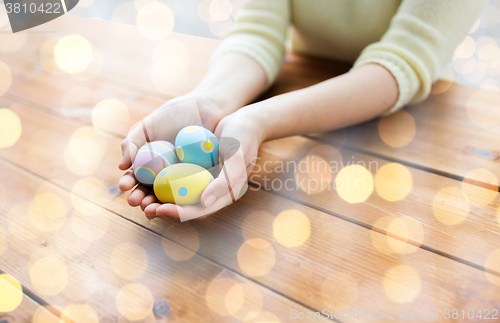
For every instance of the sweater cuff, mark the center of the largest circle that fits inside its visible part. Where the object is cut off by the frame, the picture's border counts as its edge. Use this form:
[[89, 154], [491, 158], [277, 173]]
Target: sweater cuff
[[258, 49], [406, 78]]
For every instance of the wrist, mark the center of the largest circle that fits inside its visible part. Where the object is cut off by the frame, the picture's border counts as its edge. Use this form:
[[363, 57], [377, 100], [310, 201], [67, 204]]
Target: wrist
[[259, 118]]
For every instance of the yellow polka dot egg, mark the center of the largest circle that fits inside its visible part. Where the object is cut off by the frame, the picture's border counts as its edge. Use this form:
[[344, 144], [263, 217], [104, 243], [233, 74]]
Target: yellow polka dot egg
[[181, 184], [197, 145]]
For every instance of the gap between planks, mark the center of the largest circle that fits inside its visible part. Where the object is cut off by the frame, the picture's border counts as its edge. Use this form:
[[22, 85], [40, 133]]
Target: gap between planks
[[42, 302], [41, 108]]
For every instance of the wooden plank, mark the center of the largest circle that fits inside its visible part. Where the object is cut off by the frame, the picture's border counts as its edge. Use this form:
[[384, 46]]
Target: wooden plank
[[21, 307], [68, 251], [287, 161], [334, 248], [76, 99], [442, 238], [446, 140]]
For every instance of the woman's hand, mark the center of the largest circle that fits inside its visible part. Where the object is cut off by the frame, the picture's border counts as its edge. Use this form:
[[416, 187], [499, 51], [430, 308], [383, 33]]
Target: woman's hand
[[240, 137], [164, 124], [232, 81]]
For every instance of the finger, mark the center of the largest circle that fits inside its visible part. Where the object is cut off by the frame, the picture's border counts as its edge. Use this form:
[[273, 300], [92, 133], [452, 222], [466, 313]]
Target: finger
[[135, 198], [150, 210], [131, 144], [168, 211], [199, 211], [149, 199], [128, 181], [215, 190], [232, 180], [235, 171]]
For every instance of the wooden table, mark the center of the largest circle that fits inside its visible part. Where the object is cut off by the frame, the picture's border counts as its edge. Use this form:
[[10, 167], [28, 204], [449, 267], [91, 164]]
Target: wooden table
[[425, 240]]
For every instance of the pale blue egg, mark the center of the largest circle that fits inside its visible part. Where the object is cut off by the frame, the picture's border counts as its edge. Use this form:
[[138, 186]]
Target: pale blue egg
[[197, 145]]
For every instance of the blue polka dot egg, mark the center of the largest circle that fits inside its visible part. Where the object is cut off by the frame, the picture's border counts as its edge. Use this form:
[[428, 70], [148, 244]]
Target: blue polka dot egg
[[182, 184], [197, 145]]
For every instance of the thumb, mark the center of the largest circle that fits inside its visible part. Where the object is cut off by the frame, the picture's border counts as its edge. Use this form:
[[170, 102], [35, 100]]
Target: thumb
[[136, 138]]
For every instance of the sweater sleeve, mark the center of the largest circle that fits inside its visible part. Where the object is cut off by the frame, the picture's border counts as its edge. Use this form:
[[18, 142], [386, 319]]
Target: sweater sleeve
[[259, 32], [420, 42]]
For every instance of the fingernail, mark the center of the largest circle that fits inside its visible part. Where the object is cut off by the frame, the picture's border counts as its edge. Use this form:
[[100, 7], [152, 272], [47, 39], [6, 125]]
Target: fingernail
[[209, 200], [151, 216], [121, 161]]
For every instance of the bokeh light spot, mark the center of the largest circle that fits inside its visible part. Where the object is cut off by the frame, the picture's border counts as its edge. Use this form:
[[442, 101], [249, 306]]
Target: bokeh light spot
[[244, 301], [11, 293], [450, 206], [73, 53], [47, 314], [85, 150], [402, 284], [92, 189], [187, 242], [401, 231], [220, 10], [111, 115], [79, 313], [354, 183], [291, 228], [155, 20], [10, 125], [397, 129], [216, 293], [128, 260], [393, 182], [134, 302], [49, 275], [47, 58], [170, 75], [312, 174], [466, 48], [256, 257], [480, 186], [47, 211]]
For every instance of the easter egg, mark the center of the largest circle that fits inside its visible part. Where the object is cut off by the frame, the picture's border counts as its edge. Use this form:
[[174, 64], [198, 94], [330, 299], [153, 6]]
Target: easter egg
[[197, 145], [181, 184], [151, 159]]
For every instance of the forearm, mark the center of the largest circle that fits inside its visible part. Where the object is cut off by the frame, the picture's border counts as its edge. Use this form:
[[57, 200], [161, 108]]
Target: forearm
[[235, 78], [351, 98]]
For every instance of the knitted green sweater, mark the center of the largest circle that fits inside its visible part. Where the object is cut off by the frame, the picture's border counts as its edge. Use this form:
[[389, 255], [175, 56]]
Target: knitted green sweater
[[413, 39]]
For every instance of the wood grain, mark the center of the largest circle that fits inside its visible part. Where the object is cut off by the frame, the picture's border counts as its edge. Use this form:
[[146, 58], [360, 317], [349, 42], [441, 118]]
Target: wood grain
[[24, 312], [440, 237], [335, 247], [351, 251], [90, 254]]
